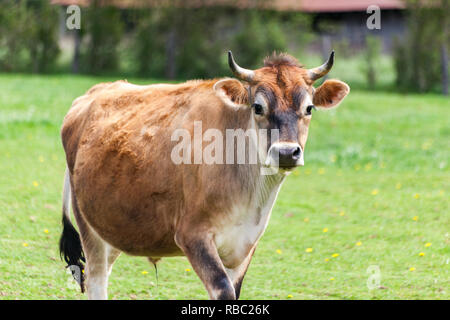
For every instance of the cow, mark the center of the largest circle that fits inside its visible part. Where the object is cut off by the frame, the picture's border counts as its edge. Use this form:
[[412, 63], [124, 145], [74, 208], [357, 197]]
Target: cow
[[128, 195]]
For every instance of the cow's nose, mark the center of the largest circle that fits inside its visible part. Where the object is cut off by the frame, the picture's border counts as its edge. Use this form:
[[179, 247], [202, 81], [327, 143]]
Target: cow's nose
[[288, 155]]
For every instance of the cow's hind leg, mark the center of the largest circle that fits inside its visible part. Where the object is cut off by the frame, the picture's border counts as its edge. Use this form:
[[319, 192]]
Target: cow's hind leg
[[100, 257]]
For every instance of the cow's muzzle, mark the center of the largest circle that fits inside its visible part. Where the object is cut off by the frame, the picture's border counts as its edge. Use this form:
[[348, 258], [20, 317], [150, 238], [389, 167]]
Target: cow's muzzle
[[285, 155]]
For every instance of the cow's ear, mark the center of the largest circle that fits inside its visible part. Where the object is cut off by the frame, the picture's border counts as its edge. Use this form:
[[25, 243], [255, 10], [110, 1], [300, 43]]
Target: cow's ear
[[232, 92], [330, 94]]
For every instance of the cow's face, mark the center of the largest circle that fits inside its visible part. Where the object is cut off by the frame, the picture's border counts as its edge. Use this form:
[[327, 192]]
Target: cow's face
[[281, 97]]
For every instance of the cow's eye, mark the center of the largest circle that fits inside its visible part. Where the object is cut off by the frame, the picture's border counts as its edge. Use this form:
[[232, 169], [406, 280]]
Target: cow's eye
[[258, 108], [309, 109]]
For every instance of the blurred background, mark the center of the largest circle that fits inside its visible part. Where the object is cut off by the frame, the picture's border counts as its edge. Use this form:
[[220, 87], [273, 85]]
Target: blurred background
[[373, 194], [174, 39]]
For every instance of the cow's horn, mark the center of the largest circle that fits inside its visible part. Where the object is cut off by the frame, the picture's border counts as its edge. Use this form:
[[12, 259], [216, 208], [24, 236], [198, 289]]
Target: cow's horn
[[319, 72], [239, 72]]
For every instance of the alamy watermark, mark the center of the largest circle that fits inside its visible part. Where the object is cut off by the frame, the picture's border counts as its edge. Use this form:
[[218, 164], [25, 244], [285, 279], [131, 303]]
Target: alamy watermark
[[73, 21], [237, 147], [374, 20], [374, 279], [74, 280]]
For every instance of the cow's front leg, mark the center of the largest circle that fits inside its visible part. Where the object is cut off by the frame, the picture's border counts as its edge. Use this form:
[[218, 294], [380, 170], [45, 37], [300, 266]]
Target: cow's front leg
[[201, 251], [237, 273]]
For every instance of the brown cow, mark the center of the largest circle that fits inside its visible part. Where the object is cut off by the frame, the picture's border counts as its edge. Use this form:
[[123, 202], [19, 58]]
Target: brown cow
[[129, 195]]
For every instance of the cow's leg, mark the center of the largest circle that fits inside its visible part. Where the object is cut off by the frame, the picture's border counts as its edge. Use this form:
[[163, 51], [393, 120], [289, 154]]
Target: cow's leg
[[96, 270], [112, 254], [202, 254], [237, 274], [100, 257]]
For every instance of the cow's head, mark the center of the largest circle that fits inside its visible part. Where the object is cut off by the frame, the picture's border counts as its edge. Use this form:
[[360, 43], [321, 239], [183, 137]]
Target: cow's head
[[281, 96]]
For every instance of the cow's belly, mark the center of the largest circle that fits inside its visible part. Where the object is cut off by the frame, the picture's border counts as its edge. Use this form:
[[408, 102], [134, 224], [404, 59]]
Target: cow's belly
[[135, 233], [134, 210]]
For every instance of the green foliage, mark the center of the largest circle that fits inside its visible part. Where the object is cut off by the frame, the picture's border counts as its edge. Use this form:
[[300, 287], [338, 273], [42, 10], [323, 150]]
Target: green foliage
[[260, 35], [178, 42], [148, 45], [370, 64], [343, 47], [200, 44], [103, 29], [192, 43], [171, 42], [417, 57], [28, 36]]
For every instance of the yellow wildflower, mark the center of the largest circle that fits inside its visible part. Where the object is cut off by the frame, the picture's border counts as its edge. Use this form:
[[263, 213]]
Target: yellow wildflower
[[309, 250], [359, 243], [278, 251], [427, 244], [374, 192], [415, 218], [325, 230], [412, 269], [421, 254], [335, 255]]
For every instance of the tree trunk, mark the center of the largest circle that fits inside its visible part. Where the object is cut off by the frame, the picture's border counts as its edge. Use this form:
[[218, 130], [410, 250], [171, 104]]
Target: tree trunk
[[76, 51], [171, 55]]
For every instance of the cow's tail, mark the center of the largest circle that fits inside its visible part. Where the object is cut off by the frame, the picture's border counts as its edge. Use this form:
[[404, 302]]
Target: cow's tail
[[70, 244]]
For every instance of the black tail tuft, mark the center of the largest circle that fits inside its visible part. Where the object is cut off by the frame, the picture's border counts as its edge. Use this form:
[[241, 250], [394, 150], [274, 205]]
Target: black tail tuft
[[70, 248]]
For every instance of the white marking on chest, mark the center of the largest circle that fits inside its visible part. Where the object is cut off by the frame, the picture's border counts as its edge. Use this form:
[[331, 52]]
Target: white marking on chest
[[246, 223]]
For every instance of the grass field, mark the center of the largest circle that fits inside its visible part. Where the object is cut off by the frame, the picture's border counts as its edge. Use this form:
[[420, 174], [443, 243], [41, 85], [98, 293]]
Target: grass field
[[373, 192]]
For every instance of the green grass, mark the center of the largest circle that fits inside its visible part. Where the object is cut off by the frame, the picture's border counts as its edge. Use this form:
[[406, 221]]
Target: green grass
[[374, 141]]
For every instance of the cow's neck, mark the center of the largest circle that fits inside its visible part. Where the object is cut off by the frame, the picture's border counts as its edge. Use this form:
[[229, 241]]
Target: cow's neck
[[249, 214], [247, 218], [265, 186]]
